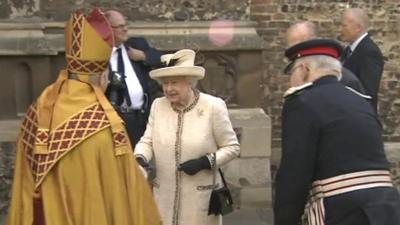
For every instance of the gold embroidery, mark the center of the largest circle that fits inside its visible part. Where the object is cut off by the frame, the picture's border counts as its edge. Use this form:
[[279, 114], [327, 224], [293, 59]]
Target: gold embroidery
[[62, 139]]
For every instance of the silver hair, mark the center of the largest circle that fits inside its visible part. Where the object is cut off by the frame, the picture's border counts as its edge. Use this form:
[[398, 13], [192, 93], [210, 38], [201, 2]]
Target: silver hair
[[322, 62], [193, 81]]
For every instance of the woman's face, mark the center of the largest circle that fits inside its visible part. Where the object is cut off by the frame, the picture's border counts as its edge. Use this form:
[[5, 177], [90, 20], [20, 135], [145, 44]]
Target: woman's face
[[177, 90]]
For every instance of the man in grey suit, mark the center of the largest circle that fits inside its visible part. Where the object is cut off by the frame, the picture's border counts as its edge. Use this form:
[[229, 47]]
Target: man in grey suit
[[362, 56]]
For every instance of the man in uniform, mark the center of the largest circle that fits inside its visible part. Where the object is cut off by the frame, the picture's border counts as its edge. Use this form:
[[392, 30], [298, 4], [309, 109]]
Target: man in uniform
[[332, 148], [74, 163], [306, 30]]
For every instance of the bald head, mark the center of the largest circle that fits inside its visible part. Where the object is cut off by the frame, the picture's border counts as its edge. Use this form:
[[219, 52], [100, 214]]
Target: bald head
[[111, 14], [358, 16], [354, 23], [299, 32], [118, 24]]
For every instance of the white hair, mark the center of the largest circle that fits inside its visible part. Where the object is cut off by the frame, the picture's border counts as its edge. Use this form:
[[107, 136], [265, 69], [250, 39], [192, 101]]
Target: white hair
[[192, 80], [322, 62]]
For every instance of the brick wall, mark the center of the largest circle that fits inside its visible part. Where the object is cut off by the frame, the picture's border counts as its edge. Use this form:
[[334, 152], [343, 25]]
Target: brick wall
[[275, 16]]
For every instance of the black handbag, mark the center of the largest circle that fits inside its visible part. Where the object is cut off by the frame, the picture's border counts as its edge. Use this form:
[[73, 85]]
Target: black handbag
[[221, 199]]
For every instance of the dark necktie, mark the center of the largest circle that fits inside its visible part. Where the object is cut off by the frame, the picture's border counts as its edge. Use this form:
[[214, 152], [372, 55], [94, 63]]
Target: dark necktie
[[346, 54], [121, 71]]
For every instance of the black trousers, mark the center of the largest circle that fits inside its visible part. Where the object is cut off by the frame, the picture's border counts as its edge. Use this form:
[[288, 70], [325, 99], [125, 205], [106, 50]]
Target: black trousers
[[373, 206], [135, 124]]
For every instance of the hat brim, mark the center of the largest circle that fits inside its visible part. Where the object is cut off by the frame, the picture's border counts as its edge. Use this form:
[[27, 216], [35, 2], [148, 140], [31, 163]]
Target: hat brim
[[294, 52], [312, 47], [196, 72]]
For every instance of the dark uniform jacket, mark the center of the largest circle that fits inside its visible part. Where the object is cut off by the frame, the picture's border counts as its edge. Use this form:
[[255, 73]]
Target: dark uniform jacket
[[351, 81], [329, 130], [366, 62]]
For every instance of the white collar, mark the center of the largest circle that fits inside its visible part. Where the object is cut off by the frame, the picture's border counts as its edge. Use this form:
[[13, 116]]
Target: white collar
[[356, 42], [358, 93], [295, 89]]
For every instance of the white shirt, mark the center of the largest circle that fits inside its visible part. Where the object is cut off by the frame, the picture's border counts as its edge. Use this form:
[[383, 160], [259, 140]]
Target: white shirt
[[356, 42], [134, 87]]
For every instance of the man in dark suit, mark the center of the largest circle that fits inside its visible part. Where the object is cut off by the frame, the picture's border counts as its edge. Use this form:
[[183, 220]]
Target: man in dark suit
[[306, 30], [362, 56], [332, 148], [131, 90]]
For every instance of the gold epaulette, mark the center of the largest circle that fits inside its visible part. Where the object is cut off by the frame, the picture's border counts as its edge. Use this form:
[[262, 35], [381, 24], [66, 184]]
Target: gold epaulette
[[296, 90]]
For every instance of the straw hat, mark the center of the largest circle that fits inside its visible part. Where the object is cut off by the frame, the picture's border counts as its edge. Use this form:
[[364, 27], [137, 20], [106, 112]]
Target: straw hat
[[181, 63]]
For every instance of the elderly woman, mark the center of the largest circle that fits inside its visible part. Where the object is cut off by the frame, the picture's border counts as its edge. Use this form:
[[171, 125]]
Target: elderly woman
[[188, 134]]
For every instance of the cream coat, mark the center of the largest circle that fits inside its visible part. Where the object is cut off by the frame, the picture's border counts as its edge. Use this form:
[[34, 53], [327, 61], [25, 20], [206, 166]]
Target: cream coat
[[174, 137]]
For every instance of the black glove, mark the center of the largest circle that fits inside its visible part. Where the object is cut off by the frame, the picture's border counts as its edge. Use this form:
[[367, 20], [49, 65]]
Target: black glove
[[191, 167], [142, 163]]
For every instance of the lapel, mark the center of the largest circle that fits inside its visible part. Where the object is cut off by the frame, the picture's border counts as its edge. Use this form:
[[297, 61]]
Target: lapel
[[138, 70], [352, 60], [361, 46]]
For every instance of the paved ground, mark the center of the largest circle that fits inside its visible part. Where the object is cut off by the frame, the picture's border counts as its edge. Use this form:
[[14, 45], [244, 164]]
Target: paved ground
[[238, 217], [2, 220], [9, 130], [249, 217]]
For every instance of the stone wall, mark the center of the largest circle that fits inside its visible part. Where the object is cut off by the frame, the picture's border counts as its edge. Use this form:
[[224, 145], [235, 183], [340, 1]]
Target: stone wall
[[137, 10], [33, 54], [7, 156], [392, 153], [249, 175], [275, 16]]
